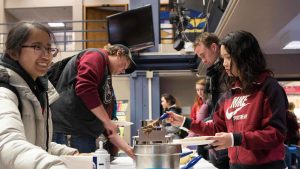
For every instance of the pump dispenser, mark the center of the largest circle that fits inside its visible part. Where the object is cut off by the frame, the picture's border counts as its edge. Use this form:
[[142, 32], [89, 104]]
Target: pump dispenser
[[103, 158]]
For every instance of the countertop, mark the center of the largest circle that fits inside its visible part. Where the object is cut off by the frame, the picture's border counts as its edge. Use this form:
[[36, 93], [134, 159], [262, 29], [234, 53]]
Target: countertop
[[128, 163]]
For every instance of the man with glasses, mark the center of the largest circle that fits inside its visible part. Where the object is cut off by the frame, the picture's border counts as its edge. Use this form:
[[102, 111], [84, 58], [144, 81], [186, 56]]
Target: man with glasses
[[85, 107]]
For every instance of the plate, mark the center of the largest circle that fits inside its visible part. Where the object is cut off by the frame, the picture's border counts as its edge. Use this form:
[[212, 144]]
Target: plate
[[123, 123], [193, 141]]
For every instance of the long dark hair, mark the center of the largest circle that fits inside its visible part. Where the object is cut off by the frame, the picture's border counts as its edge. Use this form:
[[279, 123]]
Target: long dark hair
[[246, 54], [19, 34]]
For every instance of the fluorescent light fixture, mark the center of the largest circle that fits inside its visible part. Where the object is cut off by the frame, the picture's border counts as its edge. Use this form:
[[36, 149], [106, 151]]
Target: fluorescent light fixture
[[57, 24], [292, 45]]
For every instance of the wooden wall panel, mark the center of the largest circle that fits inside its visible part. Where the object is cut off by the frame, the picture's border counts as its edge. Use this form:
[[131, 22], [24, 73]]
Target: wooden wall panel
[[98, 13]]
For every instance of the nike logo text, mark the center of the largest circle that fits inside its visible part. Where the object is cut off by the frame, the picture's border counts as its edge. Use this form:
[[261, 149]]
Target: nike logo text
[[237, 104]]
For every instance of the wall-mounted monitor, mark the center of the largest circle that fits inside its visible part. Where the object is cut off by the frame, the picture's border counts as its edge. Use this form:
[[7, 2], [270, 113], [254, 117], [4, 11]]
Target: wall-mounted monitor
[[132, 28]]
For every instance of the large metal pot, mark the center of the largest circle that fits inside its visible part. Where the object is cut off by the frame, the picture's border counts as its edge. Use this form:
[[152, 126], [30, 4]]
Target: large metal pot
[[152, 156]]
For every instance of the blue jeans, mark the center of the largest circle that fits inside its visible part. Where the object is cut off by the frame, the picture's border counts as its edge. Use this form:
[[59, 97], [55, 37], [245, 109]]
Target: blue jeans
[[60, 138], [83, 143]]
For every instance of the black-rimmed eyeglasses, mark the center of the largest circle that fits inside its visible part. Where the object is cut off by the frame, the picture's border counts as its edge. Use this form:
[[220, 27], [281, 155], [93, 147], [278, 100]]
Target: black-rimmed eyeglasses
[[39, 49]]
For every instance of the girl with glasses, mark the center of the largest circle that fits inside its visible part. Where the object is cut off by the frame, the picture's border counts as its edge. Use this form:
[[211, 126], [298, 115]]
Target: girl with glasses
[[26, 130]]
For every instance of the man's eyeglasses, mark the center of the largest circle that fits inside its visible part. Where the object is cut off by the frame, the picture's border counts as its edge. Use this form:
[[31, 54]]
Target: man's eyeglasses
[[39, 49]]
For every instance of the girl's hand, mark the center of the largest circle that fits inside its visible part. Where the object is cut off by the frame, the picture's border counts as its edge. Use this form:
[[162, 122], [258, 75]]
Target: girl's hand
[[222, 140]]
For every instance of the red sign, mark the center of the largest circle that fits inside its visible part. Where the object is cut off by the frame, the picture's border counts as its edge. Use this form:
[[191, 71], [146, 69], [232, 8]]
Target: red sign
[[292, 89]]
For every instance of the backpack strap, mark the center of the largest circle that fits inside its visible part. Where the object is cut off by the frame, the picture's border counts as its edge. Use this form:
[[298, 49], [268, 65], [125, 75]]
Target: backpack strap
[[13, 89]]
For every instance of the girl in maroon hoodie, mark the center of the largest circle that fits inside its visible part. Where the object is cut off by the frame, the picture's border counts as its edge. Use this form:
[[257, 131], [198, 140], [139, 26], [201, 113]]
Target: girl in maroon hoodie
[[250, 118]]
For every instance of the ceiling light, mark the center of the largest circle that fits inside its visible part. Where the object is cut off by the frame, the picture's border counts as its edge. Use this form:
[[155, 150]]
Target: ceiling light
[[58, 24], [292, 45]]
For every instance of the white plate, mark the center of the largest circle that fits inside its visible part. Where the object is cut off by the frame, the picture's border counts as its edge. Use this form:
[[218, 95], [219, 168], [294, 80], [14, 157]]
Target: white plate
[[123, 123], [193, 141]]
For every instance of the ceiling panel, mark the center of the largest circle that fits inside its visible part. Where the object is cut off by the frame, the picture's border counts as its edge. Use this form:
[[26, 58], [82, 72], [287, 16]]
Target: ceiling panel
[[42, 14], [268, 20]]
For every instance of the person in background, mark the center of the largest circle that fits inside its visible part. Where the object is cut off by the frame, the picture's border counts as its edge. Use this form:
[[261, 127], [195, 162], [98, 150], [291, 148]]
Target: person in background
[[293, 135], [25, 139], [199, 110], [250, 118], [207, 48], [168, 103], [84, 110]]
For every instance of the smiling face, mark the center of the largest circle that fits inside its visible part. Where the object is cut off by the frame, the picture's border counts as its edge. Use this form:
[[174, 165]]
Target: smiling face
[[228, 63], [36, 63]]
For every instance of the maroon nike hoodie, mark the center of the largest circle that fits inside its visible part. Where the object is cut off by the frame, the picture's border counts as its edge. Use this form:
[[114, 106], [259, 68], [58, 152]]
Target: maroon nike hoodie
[[257, 121]]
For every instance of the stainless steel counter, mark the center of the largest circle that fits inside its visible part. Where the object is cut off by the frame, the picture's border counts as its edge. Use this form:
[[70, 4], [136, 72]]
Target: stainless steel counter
[[128, 163]]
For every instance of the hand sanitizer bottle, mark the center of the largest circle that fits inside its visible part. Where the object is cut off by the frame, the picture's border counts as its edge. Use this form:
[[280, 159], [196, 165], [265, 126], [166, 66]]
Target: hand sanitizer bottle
[[103, 158]]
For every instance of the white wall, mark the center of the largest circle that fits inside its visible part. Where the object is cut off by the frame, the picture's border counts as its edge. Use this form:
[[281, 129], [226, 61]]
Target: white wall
[[284, 65], [2, 12], [2, 20], [121, 85], [40, 3], [77, 10], [182, 88]]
